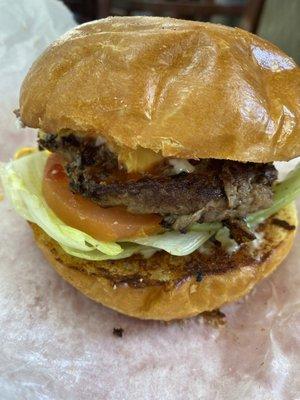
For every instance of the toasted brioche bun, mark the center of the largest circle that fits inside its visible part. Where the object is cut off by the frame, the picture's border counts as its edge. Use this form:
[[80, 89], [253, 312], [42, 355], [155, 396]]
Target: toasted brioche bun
[[165, 287], [182, 88]]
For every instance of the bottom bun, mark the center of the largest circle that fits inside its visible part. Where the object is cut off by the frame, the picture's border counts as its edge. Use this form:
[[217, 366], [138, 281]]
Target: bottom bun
[[165, 287]]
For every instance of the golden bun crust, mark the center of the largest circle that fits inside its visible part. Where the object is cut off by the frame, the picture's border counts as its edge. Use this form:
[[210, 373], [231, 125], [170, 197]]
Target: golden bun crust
[[168, 301], [182, 88]]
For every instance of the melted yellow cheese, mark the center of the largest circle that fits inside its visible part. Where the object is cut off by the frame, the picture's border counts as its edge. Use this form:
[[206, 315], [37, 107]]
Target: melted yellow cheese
[[139, 160]]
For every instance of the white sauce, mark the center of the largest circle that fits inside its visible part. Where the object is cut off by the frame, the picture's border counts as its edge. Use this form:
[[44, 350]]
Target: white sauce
[[256, 243], [233, 247], [228, 244], [180, 165]]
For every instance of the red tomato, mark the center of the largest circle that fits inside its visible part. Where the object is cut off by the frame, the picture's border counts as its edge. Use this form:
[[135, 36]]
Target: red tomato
[[107, 224]]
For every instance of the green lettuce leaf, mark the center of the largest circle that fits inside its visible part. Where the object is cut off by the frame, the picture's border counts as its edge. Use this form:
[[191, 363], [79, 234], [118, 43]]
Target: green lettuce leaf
[[176, 243], [285, 192], [96, 255], [22, 182]]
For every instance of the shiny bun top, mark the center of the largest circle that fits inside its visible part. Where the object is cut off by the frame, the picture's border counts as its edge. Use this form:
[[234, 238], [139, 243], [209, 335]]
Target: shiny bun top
[[182, 88]]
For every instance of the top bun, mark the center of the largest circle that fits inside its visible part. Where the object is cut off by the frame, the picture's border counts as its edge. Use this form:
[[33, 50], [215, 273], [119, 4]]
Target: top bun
[[183, 88]]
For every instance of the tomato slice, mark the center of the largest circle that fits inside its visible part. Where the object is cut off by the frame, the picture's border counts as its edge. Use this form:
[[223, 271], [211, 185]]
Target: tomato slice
[[107, 224]]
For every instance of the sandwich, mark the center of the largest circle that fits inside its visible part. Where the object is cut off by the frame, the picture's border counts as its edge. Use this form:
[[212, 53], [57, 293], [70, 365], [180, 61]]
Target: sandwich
[[153, 188]]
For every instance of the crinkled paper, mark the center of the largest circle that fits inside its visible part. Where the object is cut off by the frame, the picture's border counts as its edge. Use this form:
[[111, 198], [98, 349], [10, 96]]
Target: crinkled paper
[[57, 344]]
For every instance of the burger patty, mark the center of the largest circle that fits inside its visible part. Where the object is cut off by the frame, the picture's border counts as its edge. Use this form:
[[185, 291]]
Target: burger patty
[[216, 190]]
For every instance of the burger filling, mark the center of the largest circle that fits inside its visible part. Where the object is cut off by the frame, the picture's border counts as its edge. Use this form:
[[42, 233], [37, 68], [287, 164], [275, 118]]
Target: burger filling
[[103, 202], [200, 191]]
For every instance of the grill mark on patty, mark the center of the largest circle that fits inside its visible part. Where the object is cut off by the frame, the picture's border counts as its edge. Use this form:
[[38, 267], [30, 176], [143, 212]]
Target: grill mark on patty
[[180, 194]]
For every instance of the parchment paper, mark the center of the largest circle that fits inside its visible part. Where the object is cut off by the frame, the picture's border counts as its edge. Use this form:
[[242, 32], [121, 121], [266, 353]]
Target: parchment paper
[[57, 344]]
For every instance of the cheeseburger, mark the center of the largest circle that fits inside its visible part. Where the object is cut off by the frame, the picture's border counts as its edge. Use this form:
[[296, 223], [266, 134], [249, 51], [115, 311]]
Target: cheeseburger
[[153, 188]]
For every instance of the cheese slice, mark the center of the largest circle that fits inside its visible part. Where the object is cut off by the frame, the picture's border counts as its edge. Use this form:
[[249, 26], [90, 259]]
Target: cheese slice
[[139, 160]]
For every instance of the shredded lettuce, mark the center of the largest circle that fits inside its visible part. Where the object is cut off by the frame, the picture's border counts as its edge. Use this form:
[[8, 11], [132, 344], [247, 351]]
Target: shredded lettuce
[[22, 182], [285, 192], [176, 243], [96, 255]]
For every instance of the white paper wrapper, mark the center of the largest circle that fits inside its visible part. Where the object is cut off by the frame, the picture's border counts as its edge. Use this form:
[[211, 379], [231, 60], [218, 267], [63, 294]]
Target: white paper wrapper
[[57, 344]]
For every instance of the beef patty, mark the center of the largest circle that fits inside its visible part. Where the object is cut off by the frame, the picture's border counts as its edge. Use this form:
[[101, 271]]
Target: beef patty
[[216, 190]]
